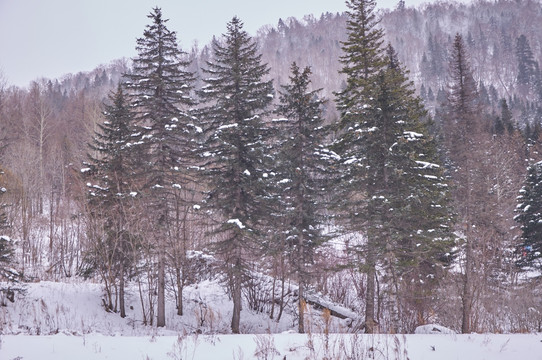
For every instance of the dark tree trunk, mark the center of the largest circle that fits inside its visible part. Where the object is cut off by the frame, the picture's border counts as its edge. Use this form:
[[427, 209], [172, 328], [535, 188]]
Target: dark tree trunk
[[236, 296], [282, 295], [121, 292], [161, 306], [370, 293], [301, 309], [179, 291], [467, 298]]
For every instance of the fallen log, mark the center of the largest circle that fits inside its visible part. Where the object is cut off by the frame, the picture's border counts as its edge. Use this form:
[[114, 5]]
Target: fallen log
[[334, 310]]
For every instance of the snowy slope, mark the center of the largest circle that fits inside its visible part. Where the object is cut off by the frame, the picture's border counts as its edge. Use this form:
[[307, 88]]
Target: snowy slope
[[75, 308]]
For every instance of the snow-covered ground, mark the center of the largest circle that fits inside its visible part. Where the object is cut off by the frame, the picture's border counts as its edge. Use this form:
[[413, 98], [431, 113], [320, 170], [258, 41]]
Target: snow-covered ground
[[277, 346], [67, 321], [76, 308]]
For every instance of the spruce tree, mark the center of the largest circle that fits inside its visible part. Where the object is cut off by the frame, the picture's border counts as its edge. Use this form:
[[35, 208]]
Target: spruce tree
[[529, 216], [362, 62], [392, 186], [109, 159], [236, 164], [420, 224], [110, 174], [301, 175], [160, 88]]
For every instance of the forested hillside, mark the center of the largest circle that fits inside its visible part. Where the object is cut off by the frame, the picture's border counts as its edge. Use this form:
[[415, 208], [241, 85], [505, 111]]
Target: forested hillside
[[387, 161]]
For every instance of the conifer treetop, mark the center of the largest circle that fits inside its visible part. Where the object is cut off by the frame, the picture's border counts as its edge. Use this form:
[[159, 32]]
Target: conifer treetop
[[159, 69], [236, 99], [236, 72], [296, 95], [462, 91], [363, 47]]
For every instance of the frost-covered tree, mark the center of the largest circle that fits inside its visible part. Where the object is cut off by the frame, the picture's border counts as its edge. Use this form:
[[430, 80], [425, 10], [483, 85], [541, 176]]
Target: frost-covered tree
[[236, 164], [420, 220], [529, 216], [301, 175], [110, 187], [392, 187], [362, 62], [160, 88]]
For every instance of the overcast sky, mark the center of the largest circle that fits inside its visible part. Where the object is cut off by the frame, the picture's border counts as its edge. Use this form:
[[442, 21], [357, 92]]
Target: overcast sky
[[50, 38]]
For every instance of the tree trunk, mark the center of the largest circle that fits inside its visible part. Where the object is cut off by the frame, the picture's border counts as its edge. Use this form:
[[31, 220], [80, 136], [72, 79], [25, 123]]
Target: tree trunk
[[236, 296], [179, 291], [108, 293], [395, 308], [282, 272], [301, 271], [161, 306], [466, 298], [282, 294], [121, 292], [273, 288], [370, 302], [142, 299], [301, 309], [370, 292]]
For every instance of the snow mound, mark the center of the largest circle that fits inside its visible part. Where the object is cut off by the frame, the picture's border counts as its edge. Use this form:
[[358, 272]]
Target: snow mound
[[433, 329]]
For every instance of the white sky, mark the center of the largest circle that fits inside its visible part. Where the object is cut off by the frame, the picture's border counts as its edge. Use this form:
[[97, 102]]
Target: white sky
[[50, 38]]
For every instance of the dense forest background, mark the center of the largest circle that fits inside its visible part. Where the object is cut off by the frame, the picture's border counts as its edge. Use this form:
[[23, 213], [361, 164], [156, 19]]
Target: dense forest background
[[45, 130]]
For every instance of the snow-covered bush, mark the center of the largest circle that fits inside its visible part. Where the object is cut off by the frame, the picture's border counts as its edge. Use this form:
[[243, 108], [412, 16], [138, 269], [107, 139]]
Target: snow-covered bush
[[433, 329]]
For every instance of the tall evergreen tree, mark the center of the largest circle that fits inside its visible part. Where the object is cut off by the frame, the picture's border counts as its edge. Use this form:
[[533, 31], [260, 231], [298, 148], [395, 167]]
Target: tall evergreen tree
[[420, 225], [362, 62], [111, 174], [160, 88], [529, 216], [236, 164], [389, 163], [302, 174]]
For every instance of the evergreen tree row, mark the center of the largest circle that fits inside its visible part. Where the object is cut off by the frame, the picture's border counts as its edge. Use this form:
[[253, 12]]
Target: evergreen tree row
[[264, 177]]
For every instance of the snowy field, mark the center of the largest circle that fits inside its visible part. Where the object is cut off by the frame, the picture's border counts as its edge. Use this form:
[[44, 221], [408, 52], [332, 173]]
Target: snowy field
[[67, 321], [277, 346]]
